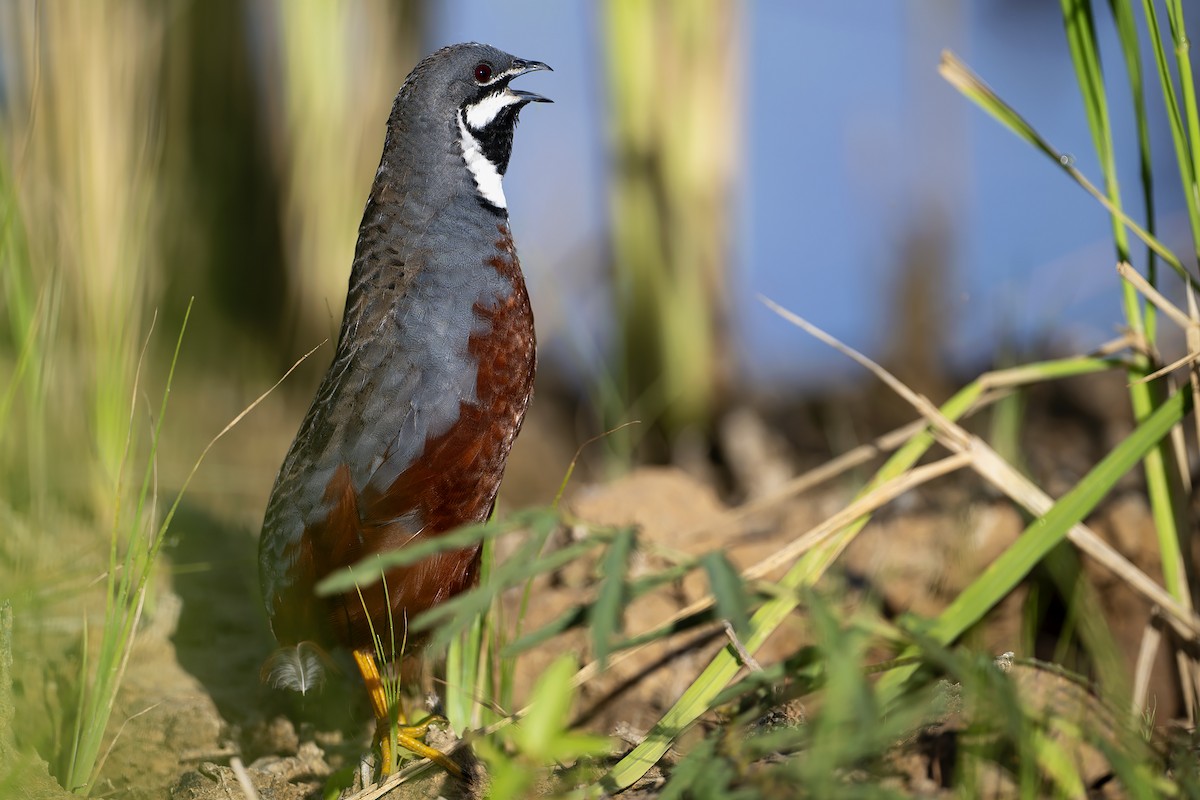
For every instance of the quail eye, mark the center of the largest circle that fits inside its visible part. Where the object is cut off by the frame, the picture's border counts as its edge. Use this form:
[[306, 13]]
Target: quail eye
[[483, 72]]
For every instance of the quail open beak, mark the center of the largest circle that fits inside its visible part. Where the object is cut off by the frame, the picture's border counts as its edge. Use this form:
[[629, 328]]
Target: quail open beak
[[530, 97], [520, 67]]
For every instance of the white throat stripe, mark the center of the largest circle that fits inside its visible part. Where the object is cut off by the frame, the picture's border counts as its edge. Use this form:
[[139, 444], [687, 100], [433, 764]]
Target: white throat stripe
[[487, 178], [508, 73], [481, 114]]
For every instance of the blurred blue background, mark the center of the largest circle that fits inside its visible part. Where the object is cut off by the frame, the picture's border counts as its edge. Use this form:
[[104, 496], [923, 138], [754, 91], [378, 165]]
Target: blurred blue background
[[698, 155], [855, 152]]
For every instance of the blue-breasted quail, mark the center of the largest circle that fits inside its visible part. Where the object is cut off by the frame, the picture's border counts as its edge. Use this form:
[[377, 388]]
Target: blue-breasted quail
[[411, 427]]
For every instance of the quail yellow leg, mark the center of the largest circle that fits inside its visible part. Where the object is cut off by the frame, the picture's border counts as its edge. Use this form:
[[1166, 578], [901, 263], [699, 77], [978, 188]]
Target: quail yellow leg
[[408, 737]]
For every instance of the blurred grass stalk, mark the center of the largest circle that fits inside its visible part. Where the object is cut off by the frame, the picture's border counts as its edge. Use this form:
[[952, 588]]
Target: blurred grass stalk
[[29, 314], [80, 126], [342, 63], [81, 158], [674, 80]]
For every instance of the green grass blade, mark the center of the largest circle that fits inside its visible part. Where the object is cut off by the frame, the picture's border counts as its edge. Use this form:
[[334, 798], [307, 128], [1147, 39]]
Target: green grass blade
[[1187, 90], [462, 608], [124, 604], [370, 569], [454, 615], [699, 696], [548, 707], [467, 664], [1164, 499], [728, 590], [24, 306], [1058, 763], [1131, 49], [1080, 26], [608, 611], [1081, 38], [1171, 104], [1045, 533], [974, 89], [573, 617]]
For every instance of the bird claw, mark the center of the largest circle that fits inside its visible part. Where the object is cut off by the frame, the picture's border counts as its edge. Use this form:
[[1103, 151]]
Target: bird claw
[[433, 754], [419, 730], [409, 738]]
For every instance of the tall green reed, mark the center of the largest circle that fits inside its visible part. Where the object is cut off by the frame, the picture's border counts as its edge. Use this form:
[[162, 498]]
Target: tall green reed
[[80, 132], [673, 79], [342, 62]]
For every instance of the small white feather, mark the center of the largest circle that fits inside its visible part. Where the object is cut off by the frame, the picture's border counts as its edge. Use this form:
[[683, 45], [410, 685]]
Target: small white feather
[[487, 177], [300, 668]]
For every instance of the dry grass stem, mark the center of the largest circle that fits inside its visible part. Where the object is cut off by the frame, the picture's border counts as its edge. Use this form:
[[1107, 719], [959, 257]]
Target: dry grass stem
[[748, 661], [1112, 346], [1151, 639], [881, 496], [562, 487], [884, 494], [1179, 363], [243, 778], [409, 772], [241, 415], [1188, 682], [1154, 296], [730, 520], [121, 730], [1005, 477]]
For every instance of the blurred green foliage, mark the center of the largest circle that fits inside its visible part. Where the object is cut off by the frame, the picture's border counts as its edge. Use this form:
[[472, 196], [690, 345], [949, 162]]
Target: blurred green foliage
[[674, 79]]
